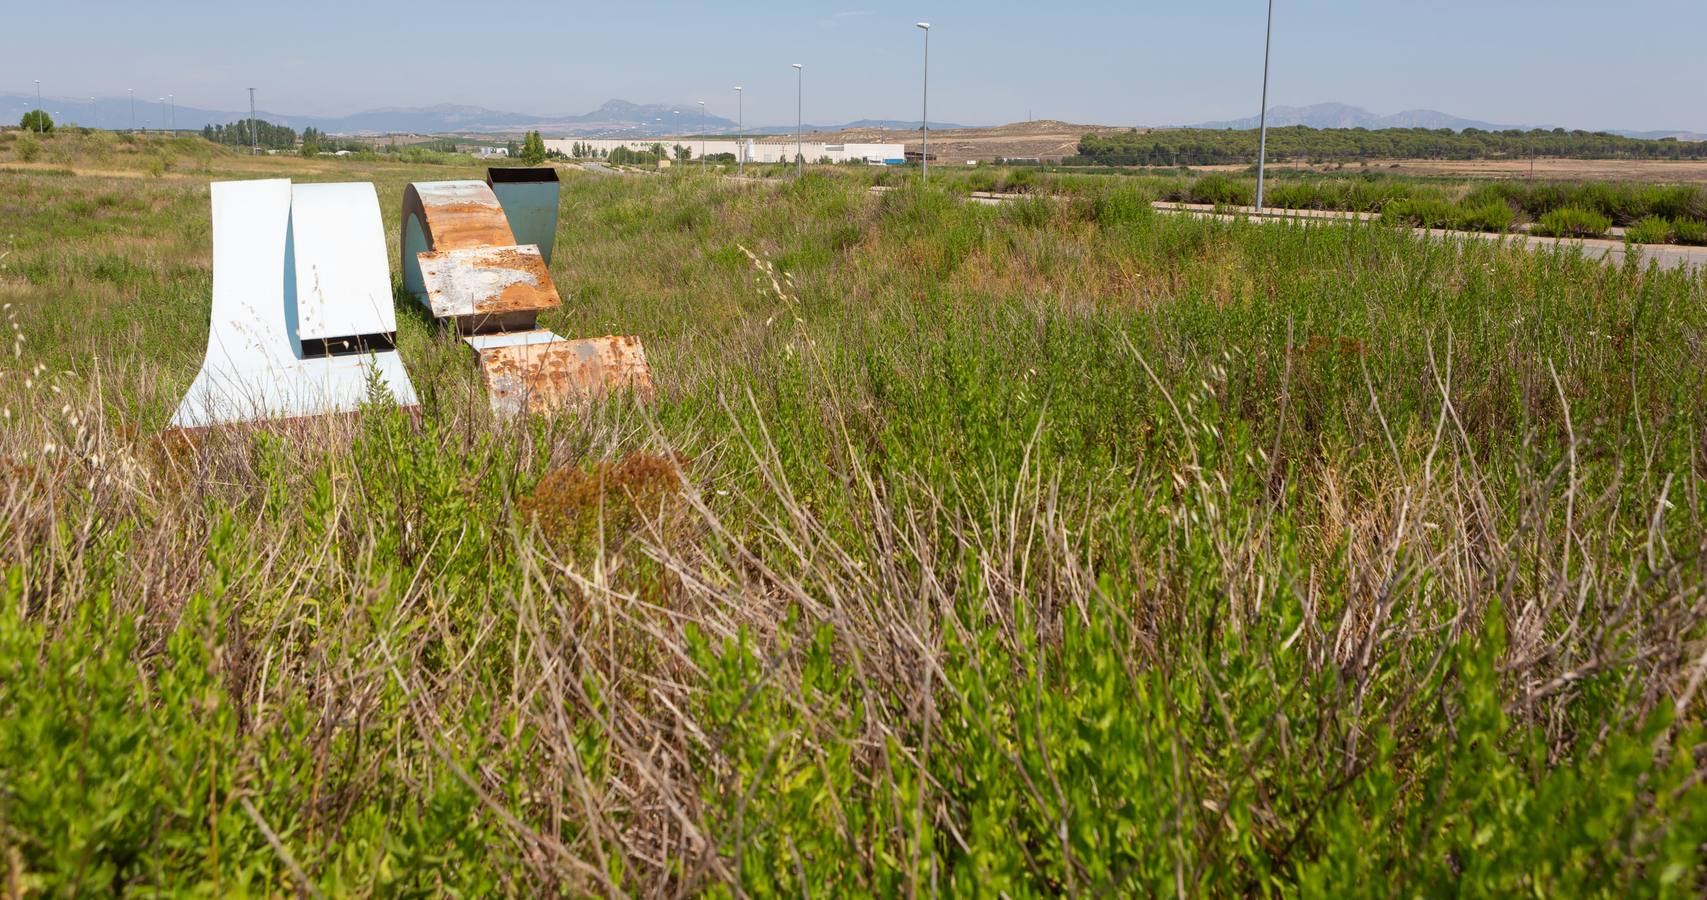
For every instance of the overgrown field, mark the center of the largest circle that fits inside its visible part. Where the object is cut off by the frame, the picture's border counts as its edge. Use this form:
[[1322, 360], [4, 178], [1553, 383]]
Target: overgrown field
[[1650, 213], [1041, 548]]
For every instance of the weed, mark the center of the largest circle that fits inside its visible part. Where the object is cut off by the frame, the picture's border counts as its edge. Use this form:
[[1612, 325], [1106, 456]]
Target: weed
[[1571, 221], [1650, 230]]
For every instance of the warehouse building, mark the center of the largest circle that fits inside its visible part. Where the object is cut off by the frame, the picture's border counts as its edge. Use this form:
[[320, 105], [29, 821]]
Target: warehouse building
[[755, 151]]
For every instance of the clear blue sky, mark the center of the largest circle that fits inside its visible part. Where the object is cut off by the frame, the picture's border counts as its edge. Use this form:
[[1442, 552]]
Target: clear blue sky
[[1635, 65]]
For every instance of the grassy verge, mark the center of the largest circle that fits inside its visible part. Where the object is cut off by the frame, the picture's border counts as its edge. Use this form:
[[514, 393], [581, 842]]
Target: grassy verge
[[1048, 547]]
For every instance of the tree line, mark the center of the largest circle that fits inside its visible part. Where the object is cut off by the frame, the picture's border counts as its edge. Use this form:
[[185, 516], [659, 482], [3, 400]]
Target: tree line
[[266, 134], [1200, 146]]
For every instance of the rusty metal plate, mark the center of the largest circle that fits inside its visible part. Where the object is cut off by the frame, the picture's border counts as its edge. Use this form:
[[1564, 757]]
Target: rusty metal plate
[[488, 287], [537, 371], [449, 215], [458, 214]]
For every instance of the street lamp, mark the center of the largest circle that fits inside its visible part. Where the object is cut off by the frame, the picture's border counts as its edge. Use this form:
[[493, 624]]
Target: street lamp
[[1262, 116], [925, 155], [132, 93], [799, 105], [254, 146], [740, 126], [701, 135], [38, 106]]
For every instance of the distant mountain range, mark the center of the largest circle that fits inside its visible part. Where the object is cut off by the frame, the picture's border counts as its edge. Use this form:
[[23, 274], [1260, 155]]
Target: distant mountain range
[[1341, 115], [614, 118], [621, 118]]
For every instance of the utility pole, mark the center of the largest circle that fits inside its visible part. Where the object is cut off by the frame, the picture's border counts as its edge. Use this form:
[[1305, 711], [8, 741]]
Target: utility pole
[[925, 155], [740, 137], [1262, 117], [799, 116], [253, 145]]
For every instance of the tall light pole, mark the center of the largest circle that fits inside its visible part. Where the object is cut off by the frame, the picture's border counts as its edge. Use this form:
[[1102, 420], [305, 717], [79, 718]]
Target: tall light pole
[[702, 135], [740, 138], [1262, 117], [799, 115], [132, 93], [925, 155], [38, 106], [254, 146], [172, 104]]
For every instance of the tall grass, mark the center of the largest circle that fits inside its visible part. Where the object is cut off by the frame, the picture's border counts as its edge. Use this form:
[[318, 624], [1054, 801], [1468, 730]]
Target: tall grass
[[1057, 548]]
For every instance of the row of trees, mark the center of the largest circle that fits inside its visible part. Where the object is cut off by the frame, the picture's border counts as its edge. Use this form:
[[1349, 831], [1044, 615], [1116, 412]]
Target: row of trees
[[266, 134], [1198, 146]]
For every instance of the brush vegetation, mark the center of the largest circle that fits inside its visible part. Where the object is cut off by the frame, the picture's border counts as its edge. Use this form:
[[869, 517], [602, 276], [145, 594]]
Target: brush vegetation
[[1201, 146], [1041, 548]]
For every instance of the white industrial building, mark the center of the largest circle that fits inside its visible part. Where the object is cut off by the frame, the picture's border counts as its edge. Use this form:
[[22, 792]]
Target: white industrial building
[[755, 151]]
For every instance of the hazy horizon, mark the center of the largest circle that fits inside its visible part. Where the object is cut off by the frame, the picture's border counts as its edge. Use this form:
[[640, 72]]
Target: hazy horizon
[[1520, 62]]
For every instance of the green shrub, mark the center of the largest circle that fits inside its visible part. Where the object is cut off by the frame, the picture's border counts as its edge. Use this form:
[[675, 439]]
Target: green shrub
[[1221, 190], [1674, 202], [1122, 206], [1573, 221], [1493, 215], [1689, 231], [1650, 230], [38, 121], [1421, 213], [28, 149]]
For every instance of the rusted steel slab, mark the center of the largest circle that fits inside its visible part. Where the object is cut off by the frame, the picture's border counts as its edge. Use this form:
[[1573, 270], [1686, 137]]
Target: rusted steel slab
[[488, 288], [449, 215], [539, 372]]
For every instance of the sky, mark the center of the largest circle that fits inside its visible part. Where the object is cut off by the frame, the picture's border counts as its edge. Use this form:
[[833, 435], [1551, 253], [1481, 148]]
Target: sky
[[1635, 65]]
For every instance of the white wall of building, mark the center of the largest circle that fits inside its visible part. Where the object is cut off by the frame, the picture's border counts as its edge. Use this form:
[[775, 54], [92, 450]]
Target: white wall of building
[[766, 151]]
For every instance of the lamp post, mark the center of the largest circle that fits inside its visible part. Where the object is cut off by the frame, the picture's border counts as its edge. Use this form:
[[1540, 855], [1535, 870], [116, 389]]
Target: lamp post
[[925, 155], [1262, 117], [254, 146], [740, 126], [701, 135], [38, 106], [799, 107], [132, 93]]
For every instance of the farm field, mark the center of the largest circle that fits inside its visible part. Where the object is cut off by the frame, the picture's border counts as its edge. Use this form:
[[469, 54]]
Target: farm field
[[1050, 547]]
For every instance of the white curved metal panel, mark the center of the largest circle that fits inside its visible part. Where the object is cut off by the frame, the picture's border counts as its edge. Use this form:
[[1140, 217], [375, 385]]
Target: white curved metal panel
[[343, 281], [254, 367]]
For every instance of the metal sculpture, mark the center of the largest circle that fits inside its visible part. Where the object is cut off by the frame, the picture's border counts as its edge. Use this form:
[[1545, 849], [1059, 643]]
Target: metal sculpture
[[302, 321], [476, 254]]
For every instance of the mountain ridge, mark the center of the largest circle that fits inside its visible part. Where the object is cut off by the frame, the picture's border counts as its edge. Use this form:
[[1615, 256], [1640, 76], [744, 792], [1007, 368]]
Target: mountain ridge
[[621, 118]]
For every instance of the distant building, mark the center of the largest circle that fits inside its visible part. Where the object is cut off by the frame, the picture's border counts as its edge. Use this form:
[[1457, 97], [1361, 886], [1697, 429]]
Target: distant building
[[755, 151], [493, 152]]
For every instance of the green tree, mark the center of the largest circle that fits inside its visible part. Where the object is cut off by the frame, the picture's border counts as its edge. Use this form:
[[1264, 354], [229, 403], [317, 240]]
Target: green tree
[[37, 120], [533, 149]]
